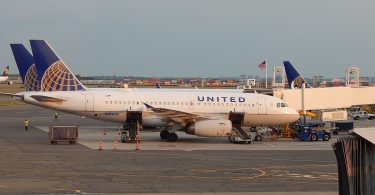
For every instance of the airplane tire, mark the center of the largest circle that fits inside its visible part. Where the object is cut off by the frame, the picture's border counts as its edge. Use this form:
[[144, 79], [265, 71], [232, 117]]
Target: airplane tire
[[164, 134], [172, 137]]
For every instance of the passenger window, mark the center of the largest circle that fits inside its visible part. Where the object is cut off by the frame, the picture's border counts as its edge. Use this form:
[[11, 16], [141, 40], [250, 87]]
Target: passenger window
[[169, 103], [110, 102]]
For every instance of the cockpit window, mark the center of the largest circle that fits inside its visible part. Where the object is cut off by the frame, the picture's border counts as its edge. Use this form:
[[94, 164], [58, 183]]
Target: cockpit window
[[282, 105]]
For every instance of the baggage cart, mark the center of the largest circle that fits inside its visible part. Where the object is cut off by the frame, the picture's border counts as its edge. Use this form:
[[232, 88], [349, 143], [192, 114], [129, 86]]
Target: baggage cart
[[63, 134]]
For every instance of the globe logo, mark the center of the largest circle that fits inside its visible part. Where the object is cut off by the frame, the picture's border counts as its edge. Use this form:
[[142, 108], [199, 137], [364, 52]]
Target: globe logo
[[31, 82], [58, 78]]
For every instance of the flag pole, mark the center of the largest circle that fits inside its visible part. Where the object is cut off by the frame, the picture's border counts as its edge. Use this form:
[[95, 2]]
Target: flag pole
[[266, 74]]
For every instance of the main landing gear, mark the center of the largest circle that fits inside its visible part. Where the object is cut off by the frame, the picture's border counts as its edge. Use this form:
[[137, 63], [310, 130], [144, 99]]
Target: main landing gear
[[166, 135]]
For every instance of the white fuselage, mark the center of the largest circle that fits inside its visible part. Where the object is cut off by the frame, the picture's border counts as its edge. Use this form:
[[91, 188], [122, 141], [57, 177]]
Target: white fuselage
[[113, 105], [3, 79]]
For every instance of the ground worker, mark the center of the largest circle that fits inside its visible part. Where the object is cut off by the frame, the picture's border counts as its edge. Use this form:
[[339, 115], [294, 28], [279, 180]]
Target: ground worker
[[26, 123], [56, 115]]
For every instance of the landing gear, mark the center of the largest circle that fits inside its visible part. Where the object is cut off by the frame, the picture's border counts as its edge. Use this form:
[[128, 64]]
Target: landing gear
[[172, 137], [164, 134]]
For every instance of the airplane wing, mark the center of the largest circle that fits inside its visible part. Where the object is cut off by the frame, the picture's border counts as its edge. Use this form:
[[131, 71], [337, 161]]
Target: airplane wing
[[42, 98], [176, 115]]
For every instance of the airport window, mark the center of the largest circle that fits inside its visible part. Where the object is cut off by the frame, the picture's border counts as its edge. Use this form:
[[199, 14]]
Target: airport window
[[137, 103]]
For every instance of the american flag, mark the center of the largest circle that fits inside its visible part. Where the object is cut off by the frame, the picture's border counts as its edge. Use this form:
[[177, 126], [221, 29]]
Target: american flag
[[262, 65]]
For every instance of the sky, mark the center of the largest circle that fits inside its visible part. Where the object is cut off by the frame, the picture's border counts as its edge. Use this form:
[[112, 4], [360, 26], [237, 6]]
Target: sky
[[203, 38]]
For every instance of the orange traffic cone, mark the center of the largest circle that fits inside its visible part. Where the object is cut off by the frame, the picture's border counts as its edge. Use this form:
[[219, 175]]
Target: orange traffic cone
[[115, 145], [119, 131], [137, 145], [100, 145]]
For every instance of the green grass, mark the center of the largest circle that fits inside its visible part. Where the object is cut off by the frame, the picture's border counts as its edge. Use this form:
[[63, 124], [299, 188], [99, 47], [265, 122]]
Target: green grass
[[11, 103]]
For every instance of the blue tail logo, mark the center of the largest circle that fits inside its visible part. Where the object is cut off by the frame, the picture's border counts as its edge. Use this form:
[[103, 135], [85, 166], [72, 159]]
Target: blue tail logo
[[26, 67], [293, 76], [53, 73], [6, 71]]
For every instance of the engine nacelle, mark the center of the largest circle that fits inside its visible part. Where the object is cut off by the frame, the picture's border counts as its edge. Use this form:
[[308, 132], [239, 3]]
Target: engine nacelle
[[210, 128]]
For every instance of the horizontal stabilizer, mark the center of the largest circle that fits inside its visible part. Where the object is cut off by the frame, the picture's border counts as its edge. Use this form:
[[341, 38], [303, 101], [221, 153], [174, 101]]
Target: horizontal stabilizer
[[42, 98]]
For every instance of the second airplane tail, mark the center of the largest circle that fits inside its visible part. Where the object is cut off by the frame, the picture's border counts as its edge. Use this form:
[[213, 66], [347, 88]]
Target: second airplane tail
[[6, 71], [293, 76], [26, 67], [53, 73]]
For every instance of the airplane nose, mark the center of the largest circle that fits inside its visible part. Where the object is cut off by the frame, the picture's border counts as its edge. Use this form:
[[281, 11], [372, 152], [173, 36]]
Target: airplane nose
[[293, 115]]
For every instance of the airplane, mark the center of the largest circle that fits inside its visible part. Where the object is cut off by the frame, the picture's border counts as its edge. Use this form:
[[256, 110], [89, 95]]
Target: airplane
[[4, 76], [197, 112], [293, 76]]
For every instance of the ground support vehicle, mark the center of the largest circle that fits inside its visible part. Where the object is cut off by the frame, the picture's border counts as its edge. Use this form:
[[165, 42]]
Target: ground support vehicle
[[306, 133], [63, 134], [239, 135]]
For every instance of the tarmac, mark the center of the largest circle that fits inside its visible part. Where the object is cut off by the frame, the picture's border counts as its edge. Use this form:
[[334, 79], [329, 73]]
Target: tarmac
[[30, 165]]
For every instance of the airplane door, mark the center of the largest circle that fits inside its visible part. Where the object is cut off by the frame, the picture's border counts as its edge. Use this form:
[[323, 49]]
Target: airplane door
[[262, 106], [191, 104], [89, 106]]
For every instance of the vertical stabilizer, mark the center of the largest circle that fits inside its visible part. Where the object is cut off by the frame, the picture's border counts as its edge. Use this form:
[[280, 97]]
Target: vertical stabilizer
[[293, 76], [26, 67], [53, 73], [6, 71]]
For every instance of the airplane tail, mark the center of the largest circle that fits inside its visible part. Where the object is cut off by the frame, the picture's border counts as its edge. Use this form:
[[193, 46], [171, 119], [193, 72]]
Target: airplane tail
[[293, 76], [6, 71], [53, 73], [26, 67]]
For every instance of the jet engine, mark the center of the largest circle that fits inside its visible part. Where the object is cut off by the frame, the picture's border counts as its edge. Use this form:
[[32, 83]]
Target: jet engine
[[210, 128]]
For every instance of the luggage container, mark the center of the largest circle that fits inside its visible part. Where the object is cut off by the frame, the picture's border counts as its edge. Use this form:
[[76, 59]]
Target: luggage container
[[63, 134]]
